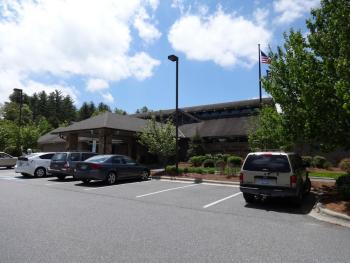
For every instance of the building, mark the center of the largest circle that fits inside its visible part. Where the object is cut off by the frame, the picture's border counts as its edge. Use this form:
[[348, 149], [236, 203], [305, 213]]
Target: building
[[223, 127]]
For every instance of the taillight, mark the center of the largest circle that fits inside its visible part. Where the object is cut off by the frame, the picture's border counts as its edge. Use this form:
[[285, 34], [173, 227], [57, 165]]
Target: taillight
[[241, 177], [66, 165], [293, 181], [95, 166]]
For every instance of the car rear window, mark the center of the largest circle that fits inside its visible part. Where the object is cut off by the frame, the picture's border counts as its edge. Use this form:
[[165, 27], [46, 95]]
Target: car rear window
[[271, 163], [59, 157], [98, 159], [74, 157]]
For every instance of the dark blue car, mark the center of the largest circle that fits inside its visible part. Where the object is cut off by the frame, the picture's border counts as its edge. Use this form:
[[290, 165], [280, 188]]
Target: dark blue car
[[110, 168]]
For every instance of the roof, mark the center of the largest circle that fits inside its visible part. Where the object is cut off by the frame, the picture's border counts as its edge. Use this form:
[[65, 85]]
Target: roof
[[51, 138], [239, 126], [108, 120], [211, 107]]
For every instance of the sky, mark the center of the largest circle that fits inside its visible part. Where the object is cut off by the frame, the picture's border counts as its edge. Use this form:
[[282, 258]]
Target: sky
[[115, 51]]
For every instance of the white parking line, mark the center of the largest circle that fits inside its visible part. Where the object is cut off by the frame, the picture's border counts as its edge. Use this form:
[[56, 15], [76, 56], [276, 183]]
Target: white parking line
[[221, 200], [166, 190]]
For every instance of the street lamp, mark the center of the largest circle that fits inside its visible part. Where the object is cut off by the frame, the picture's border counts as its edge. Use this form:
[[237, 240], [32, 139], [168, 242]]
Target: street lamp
[[174, 58], [20, 91]]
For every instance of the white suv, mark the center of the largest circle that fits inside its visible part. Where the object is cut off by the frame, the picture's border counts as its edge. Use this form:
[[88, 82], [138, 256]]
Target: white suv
[[35, 164], [274, 174]]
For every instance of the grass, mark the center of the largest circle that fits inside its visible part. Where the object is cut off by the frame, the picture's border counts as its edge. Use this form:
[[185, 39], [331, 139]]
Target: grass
[[333, 175]]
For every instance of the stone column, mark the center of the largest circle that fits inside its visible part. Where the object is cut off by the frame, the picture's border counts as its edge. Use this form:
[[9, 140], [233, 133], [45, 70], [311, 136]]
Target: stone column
[[105, 141], [72, 142]]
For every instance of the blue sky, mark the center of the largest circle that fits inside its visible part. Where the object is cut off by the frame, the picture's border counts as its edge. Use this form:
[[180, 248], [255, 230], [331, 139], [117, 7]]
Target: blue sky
[[116, 51]]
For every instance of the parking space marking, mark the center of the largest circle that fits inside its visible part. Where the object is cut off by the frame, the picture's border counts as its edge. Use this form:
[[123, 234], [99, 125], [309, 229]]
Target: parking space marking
[[221, 200], [166, 190]]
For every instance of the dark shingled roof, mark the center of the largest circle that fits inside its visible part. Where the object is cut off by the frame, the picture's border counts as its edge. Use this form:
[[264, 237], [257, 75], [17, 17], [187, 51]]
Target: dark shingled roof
[[108, 120], [51, 138], [211, 107], [219, 128]]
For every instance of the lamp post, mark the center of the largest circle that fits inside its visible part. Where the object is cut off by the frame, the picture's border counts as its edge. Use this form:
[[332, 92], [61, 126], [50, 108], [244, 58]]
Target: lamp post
[[174, 58], [20, 91]]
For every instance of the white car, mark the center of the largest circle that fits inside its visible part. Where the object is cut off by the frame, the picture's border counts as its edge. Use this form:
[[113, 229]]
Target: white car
[[35, 164], [7, 160]]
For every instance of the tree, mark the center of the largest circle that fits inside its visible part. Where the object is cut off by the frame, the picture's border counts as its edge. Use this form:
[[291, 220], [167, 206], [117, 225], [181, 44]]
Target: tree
[[159, 139], [195, 146], [310, 79], [120, 111], [86, 110], [269, 131], [10, 112], [144, 109]]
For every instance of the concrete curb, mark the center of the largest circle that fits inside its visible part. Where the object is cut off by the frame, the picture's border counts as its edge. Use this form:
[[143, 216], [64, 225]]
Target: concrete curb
[[158, 177], [322, 179], [321, 209], [321, 213]]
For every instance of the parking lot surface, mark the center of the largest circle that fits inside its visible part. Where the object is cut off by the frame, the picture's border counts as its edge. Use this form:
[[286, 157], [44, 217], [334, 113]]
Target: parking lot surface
[[46, 220]]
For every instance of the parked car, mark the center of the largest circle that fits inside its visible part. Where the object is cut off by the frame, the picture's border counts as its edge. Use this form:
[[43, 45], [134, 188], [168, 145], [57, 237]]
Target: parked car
[[35, 164], [274, 174], [110, 168], [63, 163], [7, 160]]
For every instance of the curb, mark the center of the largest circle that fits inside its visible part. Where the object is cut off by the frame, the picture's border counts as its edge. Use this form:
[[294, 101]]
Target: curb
[[321, 209], [173, 178], [322, 179], [326, 215]]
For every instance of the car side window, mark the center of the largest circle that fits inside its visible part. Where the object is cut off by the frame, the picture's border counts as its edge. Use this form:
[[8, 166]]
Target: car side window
[[85, 156], [2, 155], [47, 156], [117, 160], [74, 157], [128, 161]]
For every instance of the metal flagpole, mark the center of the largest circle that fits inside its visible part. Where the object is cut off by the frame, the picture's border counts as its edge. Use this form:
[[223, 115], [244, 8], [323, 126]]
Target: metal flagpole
[[259, 75]]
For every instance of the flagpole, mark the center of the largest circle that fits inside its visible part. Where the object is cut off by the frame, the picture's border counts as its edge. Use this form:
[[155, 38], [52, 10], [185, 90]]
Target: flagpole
[[259, 75]]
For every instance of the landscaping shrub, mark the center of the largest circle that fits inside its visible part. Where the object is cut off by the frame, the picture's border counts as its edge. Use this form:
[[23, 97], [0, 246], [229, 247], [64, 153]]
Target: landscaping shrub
[[12, 150], [327, 165], [343, 186], [220, 163], [171, 169], [208, 163], [225, 157], [211, 171], [345, 165], [235, 160], [185, 169], [307, 161], [198, 170], [318, 161], [197, 160]]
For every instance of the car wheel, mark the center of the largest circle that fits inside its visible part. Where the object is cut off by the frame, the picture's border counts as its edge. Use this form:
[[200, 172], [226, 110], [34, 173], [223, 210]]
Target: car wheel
[[61, 177], [111, 178], [86, 181], [145, 176], [307, 186], [249, 198], [40, 172]]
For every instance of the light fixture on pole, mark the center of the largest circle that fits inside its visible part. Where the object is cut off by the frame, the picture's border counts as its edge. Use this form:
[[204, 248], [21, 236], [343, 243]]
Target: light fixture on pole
[[174, 58]]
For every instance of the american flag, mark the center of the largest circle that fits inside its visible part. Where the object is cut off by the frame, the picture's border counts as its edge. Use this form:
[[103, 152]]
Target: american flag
[[264, 58]]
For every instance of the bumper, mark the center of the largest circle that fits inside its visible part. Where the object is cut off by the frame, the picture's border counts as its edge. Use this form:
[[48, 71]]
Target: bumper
[[24, 169], [268, 191], [92, 175], [59, 172]]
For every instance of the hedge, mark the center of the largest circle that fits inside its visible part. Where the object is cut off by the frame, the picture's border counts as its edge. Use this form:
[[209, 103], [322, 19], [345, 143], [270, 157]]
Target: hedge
[[319, 161], [343, 186], [235, 160], [345, 165]]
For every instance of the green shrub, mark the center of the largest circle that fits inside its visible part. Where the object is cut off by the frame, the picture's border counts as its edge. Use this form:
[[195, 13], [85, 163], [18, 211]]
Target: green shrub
[[208, 163], [211, 171], [185, 170], [307, 161], [327, 165], [198, 170], [13, 150], [220, 163], [197, 160], [225, 157], [343, 186], [345, 165], [318, 161], [235, 160], [171, 169]]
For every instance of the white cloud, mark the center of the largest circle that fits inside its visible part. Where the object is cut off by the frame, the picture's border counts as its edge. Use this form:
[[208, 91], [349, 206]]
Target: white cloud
[[96, 85], [261, 16], [108, 97], [290, 10], [80, 38], [226, 39]]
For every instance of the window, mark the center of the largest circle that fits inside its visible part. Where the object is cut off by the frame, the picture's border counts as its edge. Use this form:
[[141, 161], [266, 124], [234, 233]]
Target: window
[[74, 157], [85, 156], [59, 157], [98, 159], [269, 163], [117, 160], [128, 161], [47, 156]]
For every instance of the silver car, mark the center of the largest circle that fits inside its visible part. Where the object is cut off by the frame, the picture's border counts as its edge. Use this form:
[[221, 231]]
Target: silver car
[[7, 160]]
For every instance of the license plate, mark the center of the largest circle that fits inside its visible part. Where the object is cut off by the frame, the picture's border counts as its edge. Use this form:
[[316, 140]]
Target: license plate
[[265, 181]]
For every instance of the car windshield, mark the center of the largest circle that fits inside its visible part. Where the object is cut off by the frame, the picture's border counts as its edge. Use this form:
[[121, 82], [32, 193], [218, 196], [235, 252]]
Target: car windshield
[[59, 157], [271, 163], [98, 159]]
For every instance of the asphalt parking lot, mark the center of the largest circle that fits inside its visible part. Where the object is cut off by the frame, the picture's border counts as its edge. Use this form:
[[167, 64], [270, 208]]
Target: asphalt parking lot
[[46, 220]]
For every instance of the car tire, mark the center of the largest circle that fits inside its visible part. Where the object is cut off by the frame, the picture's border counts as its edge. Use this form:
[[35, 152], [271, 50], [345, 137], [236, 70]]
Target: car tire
[[249, 198], [307, 186], [145, 176], [61, 177], [111, 178], [40, 172], [86, 181]]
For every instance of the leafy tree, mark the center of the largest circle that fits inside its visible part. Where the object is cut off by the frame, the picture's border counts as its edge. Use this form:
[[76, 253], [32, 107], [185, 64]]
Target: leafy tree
[[144, 109], [120, 111], [43, 126], [159, 139], [310, 78], [270, 131], [10, 112], [86, 110], [103, 107], [195, 147]]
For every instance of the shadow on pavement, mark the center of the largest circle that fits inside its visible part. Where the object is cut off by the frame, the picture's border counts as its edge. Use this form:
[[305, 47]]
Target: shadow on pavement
[[282, 205], [95, 184]]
